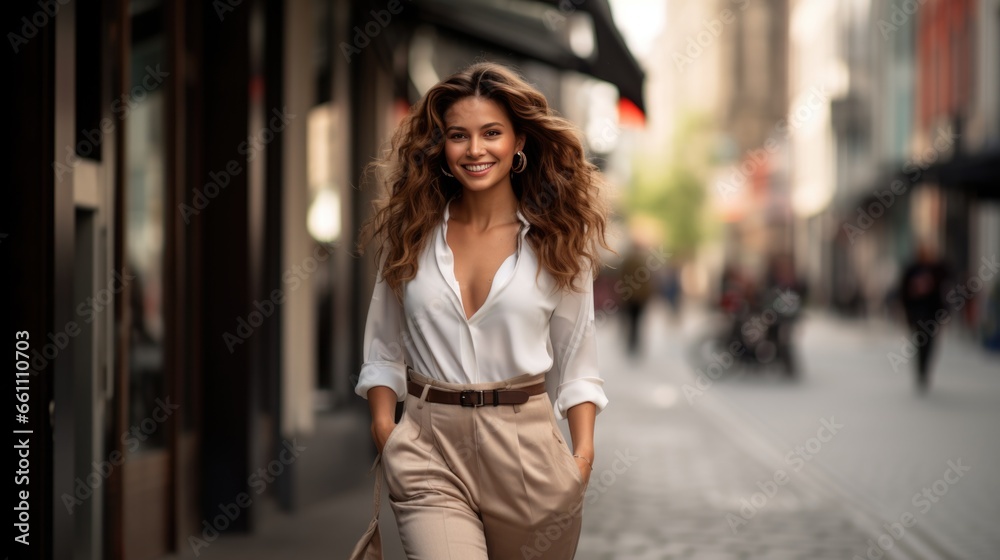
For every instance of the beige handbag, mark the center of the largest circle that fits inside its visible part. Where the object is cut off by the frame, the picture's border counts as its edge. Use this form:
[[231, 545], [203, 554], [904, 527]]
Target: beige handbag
[[369, 547]]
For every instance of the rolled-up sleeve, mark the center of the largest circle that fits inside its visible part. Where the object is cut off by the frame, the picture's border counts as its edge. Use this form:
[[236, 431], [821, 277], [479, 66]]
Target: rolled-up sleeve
[[384, 353], [574, 344]]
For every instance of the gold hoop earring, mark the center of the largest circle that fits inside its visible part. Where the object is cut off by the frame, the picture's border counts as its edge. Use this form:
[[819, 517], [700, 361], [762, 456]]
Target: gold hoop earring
[[445, 171], [522, 164]]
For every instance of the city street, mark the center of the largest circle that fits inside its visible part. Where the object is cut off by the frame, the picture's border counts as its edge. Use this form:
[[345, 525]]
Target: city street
[[895, 443], [832, 466], [698, 488]]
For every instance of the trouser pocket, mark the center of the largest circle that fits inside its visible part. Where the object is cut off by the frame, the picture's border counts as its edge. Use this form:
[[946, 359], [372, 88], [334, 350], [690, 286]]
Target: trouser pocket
[[567, 456]]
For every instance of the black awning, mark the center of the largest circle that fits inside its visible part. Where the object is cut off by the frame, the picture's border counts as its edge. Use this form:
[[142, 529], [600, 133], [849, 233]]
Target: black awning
[[614, 62], [531, 29], [978, 173]]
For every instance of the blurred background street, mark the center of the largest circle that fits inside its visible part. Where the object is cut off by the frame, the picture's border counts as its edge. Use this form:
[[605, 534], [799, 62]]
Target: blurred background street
[[799, 330]]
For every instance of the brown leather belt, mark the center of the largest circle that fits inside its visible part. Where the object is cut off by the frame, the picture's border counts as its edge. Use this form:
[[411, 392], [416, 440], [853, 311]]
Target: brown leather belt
[[489, 397]]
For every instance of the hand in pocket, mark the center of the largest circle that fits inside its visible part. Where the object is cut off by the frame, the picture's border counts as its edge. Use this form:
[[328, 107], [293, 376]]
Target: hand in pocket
[[381, 433], [585, 470]]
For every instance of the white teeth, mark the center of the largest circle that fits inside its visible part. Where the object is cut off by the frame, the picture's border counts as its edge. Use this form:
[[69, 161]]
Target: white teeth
[[479, 167]]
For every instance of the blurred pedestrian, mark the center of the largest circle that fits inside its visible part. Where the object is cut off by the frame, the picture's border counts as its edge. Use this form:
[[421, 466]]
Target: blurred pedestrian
[[636, 287], [784, 298], [736, 290], [991, 319], [490, 235], [921, 294], [670, 290]]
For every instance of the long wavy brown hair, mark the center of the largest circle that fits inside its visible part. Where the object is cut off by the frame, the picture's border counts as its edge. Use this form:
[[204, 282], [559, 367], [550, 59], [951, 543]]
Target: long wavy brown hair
[[561, 193]]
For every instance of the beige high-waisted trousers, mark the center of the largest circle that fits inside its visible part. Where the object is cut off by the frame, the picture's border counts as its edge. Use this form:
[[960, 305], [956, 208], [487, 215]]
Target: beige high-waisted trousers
[[471, 483]]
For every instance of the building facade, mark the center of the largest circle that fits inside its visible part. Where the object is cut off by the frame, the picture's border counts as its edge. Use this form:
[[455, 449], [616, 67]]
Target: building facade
[[914, 131]]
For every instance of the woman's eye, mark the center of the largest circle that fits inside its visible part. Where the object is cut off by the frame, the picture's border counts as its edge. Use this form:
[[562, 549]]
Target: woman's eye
[[493, 133], [457, 136]]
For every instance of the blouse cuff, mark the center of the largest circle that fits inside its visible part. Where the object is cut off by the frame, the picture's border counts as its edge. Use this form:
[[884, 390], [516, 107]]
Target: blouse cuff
[[385, 374], [587, 389]]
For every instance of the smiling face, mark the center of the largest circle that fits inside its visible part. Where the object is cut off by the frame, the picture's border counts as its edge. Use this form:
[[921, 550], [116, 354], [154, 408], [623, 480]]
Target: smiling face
[[480, 143]]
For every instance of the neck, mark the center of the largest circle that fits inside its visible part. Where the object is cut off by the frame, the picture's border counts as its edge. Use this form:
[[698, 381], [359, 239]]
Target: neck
[[485, 209]]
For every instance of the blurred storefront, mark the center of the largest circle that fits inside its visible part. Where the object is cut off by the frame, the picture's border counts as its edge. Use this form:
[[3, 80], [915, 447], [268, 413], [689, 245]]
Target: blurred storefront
[[752, 183], [187, 207], [915, 147]]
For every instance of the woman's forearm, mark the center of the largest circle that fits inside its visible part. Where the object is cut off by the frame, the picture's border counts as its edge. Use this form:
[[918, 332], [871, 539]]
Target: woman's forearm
[[581, 428], [382, 402]]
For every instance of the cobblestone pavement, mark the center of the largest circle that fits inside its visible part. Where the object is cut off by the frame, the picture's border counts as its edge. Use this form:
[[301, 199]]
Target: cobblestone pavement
[[696, 488], [897, 443]]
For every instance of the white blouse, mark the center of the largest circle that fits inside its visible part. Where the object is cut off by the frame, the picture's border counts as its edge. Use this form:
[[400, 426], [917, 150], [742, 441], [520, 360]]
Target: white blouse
[[523, 326]]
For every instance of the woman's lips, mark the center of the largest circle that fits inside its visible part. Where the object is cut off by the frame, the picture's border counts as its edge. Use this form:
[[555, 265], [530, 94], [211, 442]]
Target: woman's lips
[[478, 169]]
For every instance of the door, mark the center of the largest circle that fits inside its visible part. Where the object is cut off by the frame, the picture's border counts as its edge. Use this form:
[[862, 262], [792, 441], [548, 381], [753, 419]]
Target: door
[[147, 407]]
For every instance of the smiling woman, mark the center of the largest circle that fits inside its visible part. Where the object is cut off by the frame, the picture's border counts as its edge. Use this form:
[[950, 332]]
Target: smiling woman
[[487, 247]]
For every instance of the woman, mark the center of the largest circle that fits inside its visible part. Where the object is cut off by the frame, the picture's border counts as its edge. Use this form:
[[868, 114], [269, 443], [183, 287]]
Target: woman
[[487, 249]]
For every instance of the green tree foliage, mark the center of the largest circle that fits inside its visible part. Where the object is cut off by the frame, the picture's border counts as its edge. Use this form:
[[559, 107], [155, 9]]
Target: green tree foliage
[[672, 189]]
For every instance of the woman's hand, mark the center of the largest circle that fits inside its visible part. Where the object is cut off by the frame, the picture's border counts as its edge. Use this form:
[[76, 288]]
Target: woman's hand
[[583, 462], [380, 433]]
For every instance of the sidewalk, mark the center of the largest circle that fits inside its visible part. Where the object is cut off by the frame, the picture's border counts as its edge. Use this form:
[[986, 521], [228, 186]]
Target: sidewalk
[[700, 487], [325, 531], [897, 442], [671, 480]]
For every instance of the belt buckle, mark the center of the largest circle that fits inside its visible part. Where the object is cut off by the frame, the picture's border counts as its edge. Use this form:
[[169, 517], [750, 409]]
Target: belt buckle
[[464, 397]]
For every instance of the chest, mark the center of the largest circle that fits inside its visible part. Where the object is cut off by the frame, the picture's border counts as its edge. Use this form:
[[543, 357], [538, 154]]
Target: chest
[[477, 258]]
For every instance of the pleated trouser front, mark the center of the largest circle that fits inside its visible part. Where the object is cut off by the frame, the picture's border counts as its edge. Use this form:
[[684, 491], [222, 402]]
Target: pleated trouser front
[[470, 483]]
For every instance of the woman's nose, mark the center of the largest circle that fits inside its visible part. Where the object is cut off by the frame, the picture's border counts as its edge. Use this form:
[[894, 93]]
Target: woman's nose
[[475, 147]]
